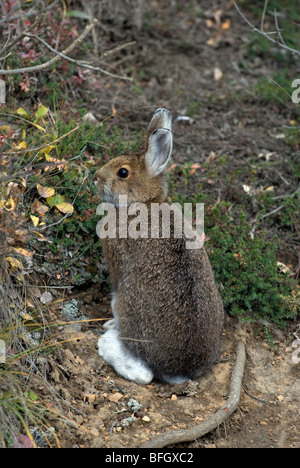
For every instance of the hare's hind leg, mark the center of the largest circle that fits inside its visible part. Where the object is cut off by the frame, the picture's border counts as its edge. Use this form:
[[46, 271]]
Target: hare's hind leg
[[174, 379], [113, 323], [128, 366]]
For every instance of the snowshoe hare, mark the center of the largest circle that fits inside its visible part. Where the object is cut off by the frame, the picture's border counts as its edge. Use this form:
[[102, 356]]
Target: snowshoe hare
[[168, 316]]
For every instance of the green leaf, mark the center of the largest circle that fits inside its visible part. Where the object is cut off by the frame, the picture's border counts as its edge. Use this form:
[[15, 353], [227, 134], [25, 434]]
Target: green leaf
[[31, 395], [55, 200], [40, 113], [23, 113], [79, 14]]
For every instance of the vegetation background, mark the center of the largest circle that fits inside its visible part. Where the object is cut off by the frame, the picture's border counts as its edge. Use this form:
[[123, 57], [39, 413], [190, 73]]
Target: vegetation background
[[81, 91]]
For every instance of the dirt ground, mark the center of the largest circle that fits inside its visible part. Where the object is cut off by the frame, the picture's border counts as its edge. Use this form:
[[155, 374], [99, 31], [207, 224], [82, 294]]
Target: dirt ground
[[108, 411], [177, 64]]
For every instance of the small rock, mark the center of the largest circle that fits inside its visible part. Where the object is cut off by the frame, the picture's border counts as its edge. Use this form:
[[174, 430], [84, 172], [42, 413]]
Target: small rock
[[184, 119], [127, 421], [89, 117], [46, 298], [146, 419], [134, 405], [115, 397]]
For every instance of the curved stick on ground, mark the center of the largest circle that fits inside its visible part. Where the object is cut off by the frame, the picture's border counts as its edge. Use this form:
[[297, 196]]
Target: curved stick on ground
[[187, 435]]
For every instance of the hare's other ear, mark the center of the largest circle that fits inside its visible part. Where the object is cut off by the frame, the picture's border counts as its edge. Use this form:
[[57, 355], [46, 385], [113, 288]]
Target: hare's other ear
[[159, 142]]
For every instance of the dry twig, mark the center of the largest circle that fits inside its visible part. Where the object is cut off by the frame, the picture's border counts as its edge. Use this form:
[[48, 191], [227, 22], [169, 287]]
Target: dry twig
[[187, 435], [63, 54], [82, 63], [46, 65], [261, 31]]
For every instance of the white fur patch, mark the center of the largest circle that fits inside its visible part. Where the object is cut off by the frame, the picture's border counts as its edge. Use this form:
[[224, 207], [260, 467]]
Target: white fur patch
[[174, 379], [131, 368]]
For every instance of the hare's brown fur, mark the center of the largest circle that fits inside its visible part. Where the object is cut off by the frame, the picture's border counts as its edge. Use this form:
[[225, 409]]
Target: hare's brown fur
[[169, 310]]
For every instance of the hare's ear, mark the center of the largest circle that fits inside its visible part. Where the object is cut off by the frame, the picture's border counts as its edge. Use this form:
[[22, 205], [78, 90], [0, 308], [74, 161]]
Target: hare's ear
[[159, 142]]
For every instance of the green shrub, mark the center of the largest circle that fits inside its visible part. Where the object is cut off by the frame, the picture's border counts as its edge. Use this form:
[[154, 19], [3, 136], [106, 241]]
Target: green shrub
[[252, 287]]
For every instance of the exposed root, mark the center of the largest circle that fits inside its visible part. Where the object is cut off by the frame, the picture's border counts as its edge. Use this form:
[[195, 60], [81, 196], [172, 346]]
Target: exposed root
[[187, 435]]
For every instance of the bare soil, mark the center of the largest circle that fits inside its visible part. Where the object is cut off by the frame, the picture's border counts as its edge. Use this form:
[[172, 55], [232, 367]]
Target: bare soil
[[175, 63], [94, 401]]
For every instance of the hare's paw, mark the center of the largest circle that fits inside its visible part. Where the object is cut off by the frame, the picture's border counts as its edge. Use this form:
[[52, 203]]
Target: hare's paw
[[130, 367], [174, 379]]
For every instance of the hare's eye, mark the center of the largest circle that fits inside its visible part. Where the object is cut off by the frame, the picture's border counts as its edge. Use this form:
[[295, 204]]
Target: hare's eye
[[123, 173]]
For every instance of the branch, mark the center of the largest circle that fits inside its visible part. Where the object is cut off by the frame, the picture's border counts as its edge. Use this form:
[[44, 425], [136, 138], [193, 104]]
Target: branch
[[31, 12], [263, 33], [46, 65], [186, 435], [81, 63], [9, 46]]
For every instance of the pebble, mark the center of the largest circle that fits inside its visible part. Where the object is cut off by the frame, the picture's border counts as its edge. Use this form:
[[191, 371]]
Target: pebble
[[134, 405], [46, 298], [127, 421]]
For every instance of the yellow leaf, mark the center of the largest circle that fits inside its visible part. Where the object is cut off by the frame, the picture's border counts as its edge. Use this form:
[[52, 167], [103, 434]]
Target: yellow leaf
[[29, 304], [47, 151], [5, 128], [41, 238], [48, 158], [45, 192], [65, 207], [21, 145], [11, 204], [14, 263], [24, 252], [23, 184], [23, 112], [25, 315], [38, 126], [35, 220], [20, 278]]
